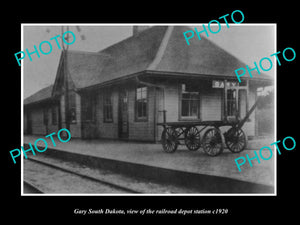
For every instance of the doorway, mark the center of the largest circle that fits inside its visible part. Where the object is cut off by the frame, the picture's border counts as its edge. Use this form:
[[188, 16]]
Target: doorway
[[236, 103]]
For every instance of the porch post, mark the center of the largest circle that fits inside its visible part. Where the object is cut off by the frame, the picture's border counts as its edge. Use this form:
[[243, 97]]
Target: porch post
[[65, 51], [225, 100], [67, 113]]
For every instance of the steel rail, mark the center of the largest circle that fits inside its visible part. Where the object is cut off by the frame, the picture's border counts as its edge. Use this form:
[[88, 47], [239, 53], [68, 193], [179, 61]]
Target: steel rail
[[116, 186]]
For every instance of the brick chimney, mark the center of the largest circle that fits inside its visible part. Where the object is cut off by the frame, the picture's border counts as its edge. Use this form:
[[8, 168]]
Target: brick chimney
[[137, 29]]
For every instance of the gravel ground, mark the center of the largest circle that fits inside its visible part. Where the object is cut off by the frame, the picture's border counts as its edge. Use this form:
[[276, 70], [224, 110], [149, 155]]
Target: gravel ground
[[53, 181], [50, 180]]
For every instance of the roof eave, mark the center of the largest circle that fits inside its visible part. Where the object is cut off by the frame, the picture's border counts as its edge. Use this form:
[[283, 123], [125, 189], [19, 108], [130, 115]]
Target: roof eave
[[46, 100], [211, 76]]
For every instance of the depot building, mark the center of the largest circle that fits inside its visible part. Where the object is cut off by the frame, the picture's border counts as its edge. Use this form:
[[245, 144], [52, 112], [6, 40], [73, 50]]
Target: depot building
[[121, 91]]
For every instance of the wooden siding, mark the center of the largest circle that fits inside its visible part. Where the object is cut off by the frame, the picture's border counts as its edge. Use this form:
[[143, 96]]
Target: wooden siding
[[50, 126], [249, 127], [37, 123], [211, 108], [137, 130], [211, 104]]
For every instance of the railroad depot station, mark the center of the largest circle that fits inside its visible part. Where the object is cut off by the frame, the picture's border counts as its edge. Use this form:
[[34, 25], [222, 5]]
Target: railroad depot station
[[151, 89], [125, 90]]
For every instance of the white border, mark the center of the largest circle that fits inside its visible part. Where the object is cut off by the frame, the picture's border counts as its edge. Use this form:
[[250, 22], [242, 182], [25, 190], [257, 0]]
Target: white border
[[150, 24], [22, 112]]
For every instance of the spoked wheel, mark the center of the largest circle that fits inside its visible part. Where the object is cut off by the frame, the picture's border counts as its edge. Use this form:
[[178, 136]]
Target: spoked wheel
[[169, 140], [213, 141], [179, 131], [235, 139], [192, 138]]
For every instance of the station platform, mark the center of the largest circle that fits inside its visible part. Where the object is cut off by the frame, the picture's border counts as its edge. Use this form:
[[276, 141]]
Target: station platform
[[220, 174]]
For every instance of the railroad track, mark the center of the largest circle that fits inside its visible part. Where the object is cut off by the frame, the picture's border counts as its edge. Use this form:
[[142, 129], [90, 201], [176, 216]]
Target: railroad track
[[84, 176]]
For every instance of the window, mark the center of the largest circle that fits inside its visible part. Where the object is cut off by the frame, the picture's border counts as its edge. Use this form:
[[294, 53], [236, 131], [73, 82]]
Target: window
[[231, 102], [141, 104], [190, 101], [54, 115], [107, 108]]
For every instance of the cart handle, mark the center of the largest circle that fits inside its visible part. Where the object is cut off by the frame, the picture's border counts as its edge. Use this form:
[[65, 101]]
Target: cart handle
[[241, 123]]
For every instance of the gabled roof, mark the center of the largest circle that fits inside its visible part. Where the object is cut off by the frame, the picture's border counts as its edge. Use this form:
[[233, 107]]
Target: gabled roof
[[85, 68], [159, 49], [201, 57], [41, 95], [133, 54]]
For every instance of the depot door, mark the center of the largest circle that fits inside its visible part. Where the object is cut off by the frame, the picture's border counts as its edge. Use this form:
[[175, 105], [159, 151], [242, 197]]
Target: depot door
[[123, 114], [236, 103]]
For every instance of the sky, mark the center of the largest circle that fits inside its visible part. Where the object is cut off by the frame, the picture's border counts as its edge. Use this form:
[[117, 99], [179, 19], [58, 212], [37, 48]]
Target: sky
[[248, 42]]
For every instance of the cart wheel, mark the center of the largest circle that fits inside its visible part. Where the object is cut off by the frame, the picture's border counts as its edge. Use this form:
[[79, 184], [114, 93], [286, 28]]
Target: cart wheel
[[213, 141], [235, 140], [169, 140], [192, 138]]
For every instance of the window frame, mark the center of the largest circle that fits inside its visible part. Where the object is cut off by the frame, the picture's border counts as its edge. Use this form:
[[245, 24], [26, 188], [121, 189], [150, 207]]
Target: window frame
[[188, 118], [106, 96], [238, 87], [142, 118], [72, 107]]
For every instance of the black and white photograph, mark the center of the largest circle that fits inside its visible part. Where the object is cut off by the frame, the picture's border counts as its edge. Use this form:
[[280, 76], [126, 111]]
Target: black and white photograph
[[149, 109], [182, 111]]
